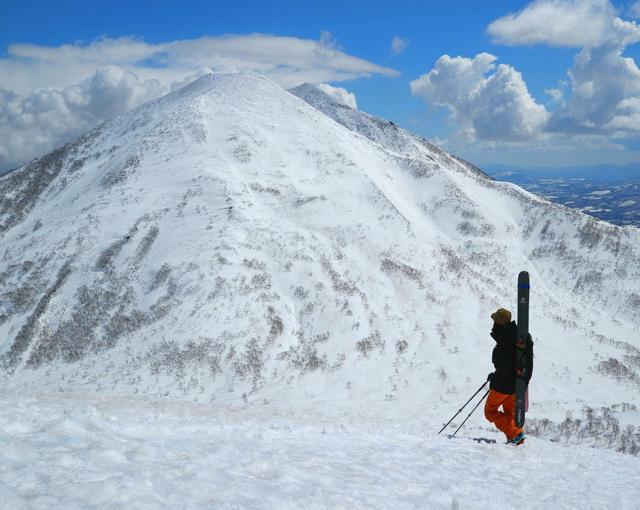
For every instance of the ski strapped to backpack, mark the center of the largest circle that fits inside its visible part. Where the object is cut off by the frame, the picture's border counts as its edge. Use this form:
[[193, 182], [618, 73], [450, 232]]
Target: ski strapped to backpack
[[524, 349]]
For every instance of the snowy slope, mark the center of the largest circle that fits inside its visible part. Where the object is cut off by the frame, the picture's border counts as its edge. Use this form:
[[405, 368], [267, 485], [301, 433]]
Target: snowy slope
[[584, 262], [384, 132], [232, 244], [135, 454], [544, 228]]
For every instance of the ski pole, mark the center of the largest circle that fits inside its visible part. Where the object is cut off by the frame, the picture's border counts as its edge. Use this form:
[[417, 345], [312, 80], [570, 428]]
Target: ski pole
[[476, 407], [465, 405]]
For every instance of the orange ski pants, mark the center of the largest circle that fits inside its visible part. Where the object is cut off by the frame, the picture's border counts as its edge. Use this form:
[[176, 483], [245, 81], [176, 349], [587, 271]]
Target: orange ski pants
[[504, 420]]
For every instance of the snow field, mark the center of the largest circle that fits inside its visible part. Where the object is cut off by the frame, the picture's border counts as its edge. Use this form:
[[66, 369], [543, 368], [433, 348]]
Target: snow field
[[68, 453]]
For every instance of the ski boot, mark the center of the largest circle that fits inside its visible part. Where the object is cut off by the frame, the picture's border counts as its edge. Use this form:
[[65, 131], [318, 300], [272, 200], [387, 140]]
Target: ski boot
[[518, 440]]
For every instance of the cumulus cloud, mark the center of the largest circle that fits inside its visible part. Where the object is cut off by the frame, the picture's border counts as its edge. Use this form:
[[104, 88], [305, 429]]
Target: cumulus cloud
[[48, 94], [604, 84], [398, 45], [634, 10], [596, 110], [556, 94], [574, 23], [34, 124], [605, 89], [339, 94], [485, 101], [626, 116], [110, 91]]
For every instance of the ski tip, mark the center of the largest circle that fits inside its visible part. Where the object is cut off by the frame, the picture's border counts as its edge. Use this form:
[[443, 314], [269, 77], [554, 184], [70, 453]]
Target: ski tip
[[484, 440]]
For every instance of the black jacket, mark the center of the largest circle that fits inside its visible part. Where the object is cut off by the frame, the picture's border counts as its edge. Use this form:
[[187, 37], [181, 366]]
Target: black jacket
[[504, 358]]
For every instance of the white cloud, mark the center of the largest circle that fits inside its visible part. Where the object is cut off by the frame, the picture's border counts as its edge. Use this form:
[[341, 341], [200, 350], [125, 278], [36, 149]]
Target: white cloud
[[485, 101], [556, 94], [339, 94], [604, 86], [398, 45], [111, 91], [28, 67], [287, 60], [634, 10], [34, 124], [594, 114], [603, 94], [574, 23], [626, 116], [52, 93]]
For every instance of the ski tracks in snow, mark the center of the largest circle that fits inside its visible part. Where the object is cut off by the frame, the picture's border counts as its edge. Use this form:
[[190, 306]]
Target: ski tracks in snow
[[59, 453]]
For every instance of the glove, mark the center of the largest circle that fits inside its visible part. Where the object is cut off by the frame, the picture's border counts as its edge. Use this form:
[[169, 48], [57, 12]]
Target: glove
[[490, 376]]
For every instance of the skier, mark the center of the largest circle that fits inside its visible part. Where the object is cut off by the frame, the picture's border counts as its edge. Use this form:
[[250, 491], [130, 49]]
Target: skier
[[503, 380]]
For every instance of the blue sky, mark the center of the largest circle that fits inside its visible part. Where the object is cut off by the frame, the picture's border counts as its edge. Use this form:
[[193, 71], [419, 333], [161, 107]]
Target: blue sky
[[511, 121]]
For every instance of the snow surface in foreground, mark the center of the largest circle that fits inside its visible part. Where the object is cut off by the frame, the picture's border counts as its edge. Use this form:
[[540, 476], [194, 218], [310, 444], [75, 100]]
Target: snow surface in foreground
[[59, 453]]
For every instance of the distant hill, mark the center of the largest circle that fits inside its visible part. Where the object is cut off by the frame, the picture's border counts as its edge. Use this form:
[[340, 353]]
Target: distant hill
[[630, 172]]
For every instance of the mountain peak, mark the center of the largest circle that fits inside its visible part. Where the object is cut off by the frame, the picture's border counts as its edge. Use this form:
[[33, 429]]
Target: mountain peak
[[244, 80]]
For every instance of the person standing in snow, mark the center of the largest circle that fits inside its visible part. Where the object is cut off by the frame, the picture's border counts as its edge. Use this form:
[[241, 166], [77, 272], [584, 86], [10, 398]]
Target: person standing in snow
[[503, 380]]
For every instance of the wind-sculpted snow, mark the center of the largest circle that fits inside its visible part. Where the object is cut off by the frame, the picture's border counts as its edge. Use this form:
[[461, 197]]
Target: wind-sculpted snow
[[230, 243], [113, 453]]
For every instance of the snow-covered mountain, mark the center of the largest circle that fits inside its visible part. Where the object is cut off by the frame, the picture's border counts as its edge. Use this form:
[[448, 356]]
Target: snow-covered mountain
[[233, 243]]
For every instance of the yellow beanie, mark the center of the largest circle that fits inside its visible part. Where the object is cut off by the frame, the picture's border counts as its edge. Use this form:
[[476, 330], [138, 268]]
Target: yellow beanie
[[501, 317]]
